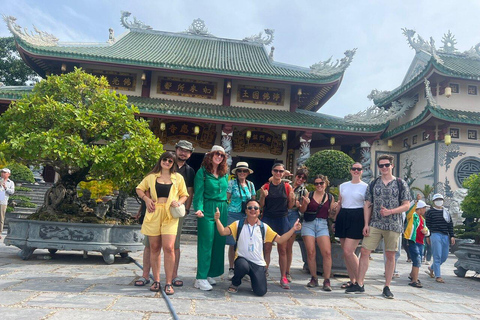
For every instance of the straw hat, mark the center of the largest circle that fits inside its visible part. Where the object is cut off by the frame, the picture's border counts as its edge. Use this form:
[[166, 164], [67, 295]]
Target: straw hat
[[241, 165]]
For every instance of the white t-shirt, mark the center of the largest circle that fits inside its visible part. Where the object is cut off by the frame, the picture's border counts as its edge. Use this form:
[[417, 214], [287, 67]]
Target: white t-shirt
[[353, 194]]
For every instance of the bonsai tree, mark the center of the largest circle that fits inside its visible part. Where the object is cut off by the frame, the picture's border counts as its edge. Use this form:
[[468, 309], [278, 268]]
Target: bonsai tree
[[332, 163], [471, 209], [85, 131]]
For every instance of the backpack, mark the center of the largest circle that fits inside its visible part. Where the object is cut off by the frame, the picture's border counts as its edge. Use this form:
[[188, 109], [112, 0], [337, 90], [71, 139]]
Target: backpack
[[239, 230], [310, 216], [399, 185], [267, 186]]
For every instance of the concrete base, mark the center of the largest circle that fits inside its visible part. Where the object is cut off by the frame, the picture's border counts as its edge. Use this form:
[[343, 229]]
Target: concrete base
[[107, 239], [468, 259]]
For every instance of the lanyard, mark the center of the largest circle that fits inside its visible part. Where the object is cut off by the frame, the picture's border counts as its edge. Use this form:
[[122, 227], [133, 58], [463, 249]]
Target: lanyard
[[251, 232]]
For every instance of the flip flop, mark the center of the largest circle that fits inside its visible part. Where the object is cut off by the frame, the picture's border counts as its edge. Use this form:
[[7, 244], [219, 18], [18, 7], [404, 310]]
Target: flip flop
[[155, 287], [177, 282], [168, 289], [140, 282], [430, 273], [233, 289]]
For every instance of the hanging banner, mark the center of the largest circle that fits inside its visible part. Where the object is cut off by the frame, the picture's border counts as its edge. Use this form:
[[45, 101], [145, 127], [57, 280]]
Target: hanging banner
[[261, 95], [117, 80], [187, 88]]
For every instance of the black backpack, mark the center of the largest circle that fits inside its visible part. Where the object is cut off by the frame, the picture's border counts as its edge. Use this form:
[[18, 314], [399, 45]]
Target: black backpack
[[239, 230]]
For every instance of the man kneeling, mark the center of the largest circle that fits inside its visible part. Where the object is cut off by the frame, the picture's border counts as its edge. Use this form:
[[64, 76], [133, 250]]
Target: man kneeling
[[250, 235]]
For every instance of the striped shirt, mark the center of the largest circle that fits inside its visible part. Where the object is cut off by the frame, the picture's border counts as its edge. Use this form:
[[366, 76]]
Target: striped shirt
[[436, 222]]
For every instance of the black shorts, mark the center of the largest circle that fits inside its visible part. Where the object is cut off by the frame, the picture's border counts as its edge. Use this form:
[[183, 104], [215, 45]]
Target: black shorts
[[350, 223]]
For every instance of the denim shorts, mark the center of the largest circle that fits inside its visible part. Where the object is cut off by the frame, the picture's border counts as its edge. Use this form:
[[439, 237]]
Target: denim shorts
[[292, 218], [416, 253], [231, 218], [316, 228]]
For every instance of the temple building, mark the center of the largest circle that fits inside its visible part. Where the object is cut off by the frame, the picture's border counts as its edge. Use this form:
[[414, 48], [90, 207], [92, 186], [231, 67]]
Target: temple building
[[211, 90]]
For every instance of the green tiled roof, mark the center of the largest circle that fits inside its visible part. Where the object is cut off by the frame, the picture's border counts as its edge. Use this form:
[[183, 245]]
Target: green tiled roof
[[165, 50], [454, 65], [301, 119], [457, 116], [14, 93]]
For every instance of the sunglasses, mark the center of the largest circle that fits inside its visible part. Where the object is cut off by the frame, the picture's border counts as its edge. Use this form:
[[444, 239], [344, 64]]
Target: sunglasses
[[384, 165], [278, 171], [219, 154], [319, 183], [356, 169], [167, 160], [302, 177], [253, 208], [242, 171]]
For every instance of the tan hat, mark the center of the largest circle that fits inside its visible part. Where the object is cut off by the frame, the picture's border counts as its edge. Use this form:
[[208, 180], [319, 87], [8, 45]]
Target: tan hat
[[217, 148], [241, 165]]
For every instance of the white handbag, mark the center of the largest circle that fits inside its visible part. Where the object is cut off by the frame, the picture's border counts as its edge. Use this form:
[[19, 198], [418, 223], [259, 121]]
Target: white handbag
[[178, 212]]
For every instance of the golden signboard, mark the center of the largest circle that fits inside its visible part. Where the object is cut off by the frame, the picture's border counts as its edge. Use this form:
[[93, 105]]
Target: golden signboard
[[260, 141], [187, 88], [117, 80], [181, 130], [261, 95]]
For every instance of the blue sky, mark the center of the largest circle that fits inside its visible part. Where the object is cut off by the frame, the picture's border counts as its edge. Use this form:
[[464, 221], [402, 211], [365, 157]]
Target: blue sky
[[306, 31]]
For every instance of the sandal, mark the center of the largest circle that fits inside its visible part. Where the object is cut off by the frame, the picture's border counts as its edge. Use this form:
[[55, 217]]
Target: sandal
[[346, 285], [140, 282], [168, 289], [155, 286], [177, 282], [416, 284], [430, 273], [440, 280], [232, 289]]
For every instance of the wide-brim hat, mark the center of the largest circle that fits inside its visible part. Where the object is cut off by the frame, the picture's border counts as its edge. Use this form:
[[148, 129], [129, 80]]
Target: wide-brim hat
[[241, 165], [437, 196], [184, 144]]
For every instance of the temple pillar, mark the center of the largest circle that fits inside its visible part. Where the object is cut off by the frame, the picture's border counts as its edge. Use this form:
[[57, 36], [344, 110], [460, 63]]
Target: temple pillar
[[227, 133], [366, 161], [305, 140]]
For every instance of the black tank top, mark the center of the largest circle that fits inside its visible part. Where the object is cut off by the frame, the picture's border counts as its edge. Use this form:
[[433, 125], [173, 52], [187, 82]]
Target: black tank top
[[276, 203], [162, 189]]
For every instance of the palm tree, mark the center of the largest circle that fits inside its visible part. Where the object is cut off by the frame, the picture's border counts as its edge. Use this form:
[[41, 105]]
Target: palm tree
[[427, 192]]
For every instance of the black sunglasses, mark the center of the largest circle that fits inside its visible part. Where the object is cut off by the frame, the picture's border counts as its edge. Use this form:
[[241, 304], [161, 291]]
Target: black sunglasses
[[219, 154], [278, 171], [242, 171], [253, 208], [302, 177], [384, 165], [319, 183], [356, 169], [167, 160]]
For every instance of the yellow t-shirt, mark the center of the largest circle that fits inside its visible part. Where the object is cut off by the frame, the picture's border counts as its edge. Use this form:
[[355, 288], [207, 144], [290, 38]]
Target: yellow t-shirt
[[250, 244]]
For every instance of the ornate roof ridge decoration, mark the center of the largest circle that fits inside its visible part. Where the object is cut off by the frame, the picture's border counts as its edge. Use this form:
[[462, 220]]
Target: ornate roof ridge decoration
[[449, 42], [428, 92], [376, 115], [417, 44], [41, 38], [257, 38], [433, 51], [136, 24], [329, 68], [378, 95], [198, 28]]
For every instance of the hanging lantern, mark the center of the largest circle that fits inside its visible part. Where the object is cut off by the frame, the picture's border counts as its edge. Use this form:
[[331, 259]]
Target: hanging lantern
[[448, 92], [332, 140], [284, 136], [162, 126], [448, 139], [248, 134], [390, 143], [196, 130]]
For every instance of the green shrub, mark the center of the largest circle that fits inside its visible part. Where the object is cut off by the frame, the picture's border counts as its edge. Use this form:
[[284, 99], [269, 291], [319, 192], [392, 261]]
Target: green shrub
[[26, 205], [24, 189], [20, 173], [332, 163], [471, 209]]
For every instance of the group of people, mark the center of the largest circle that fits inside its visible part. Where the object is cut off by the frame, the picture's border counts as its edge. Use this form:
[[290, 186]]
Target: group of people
[[233, 212]]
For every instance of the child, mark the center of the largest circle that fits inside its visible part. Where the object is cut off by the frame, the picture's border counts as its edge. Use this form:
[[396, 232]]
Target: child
[[415, 233]]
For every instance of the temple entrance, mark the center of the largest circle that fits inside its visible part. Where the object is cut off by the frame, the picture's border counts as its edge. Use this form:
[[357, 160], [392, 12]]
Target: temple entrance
[[195, 161], [261, 169]]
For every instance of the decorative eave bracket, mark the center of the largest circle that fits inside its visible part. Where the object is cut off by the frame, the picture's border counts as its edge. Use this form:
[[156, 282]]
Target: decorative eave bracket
[[136, 24], [327, 68], [258, 38], [41, 38]]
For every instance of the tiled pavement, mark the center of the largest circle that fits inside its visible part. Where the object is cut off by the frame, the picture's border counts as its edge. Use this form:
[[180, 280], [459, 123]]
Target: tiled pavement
[[70, 287]]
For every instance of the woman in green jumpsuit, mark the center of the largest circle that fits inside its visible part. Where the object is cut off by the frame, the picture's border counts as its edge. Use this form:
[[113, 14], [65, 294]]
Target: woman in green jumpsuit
[[210, 193]]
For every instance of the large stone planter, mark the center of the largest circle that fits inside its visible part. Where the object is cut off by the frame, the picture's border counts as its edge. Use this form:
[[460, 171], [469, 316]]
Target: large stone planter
[[338, 263], [107, 239], [468, 259]]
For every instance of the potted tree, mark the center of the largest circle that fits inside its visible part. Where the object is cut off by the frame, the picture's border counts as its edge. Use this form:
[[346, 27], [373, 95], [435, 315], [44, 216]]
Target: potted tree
[[85, 131], [336, 165], [468, 254]]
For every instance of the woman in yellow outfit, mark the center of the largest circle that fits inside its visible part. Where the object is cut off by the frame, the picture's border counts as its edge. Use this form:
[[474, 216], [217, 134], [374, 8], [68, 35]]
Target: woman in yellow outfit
[[167, 189]]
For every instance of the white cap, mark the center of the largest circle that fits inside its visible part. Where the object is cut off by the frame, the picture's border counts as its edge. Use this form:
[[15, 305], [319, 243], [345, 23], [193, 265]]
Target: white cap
[[437, 196], [6, 170], [217, 148], [421, 204]]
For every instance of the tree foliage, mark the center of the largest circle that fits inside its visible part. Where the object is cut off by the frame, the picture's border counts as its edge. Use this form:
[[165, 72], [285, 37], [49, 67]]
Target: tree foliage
[[471, 208], [75, 124], [13, 71], [332, 163]]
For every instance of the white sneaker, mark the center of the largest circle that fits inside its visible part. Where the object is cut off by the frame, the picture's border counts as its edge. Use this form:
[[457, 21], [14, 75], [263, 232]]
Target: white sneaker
[[231, 273], [211, 281], [202, 284]]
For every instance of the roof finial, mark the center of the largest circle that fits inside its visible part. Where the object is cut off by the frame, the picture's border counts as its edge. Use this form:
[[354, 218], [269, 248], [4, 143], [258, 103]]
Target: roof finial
[[258, 37], [449, 42], [270, 56], [136, 24], [328, 67], [111, 36], [418, 44], [198, 28], [41, 38]]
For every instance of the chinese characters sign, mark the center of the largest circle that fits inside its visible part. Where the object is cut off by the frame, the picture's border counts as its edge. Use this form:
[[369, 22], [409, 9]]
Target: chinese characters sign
[[187, 88], [117, 80], [182, 130], [261, 140], [261, 95]]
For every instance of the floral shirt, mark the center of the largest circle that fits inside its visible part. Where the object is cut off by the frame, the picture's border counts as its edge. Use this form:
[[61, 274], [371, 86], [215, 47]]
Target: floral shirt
[[235, 198]]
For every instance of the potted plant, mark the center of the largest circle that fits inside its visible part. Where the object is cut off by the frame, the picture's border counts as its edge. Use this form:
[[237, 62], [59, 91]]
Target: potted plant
[[469, 253], [336, 166], [77, 125]]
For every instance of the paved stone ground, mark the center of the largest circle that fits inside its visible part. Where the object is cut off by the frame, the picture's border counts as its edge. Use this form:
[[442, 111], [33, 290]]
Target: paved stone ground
[[71, 287]]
